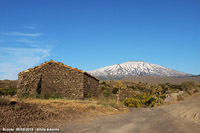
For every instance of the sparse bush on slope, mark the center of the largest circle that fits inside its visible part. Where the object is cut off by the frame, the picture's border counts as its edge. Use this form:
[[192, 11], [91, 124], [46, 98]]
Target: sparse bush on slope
[[190, 87], [8, 91], [143, 100], [132, 102]]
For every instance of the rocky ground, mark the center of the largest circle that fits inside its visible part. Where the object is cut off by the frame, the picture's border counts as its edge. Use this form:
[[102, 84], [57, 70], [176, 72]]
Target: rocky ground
[[180, 117], [38, 113]]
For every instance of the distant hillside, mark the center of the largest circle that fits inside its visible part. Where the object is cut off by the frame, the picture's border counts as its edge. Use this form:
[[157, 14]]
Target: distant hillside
[[159, 80], [135, 68], [8, 83], [195, 76]]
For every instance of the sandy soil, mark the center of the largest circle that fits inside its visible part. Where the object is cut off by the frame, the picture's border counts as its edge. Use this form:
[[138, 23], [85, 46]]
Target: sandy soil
[[180, 117]]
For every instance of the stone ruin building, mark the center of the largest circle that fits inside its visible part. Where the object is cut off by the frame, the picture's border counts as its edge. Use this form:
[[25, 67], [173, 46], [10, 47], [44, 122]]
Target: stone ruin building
[[55, 78]]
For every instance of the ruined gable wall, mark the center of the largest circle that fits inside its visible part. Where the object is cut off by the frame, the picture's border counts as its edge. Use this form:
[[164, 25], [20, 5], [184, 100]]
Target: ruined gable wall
[[62, 81], [52, 79], [28, 83], [90, 86]]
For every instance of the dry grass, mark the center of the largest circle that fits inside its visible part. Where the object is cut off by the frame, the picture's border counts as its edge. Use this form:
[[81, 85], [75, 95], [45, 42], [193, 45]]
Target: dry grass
[[54, 112], [90, 106]]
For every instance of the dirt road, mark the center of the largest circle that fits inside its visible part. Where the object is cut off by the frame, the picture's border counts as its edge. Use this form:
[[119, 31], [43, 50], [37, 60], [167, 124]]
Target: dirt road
[[181, 117]]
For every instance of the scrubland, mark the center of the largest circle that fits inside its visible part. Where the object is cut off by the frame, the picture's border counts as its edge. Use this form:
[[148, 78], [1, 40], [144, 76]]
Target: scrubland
[[114, 98]]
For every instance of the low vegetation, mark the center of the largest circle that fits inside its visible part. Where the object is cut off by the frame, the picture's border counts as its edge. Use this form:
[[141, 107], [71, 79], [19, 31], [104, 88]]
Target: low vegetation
[[145, 95], [4, 101], [8, 91], [46, 110], [143, 100], [28, 112], [40, 109]]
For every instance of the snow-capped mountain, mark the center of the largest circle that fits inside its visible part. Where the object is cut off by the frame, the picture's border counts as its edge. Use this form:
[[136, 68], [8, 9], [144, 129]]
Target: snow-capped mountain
[[135, 68]]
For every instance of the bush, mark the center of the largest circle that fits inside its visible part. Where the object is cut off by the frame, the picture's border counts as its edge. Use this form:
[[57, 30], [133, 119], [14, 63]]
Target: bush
[[49, 96], [132, 87], [103, 83], [151, 101], [4, 101], [102, 88], [131, 102], [172, 86], [106, 94], [163, 96], [8, 91], [41, 96], [18, 107], [25, 95], [145, 100], [185, 86], [115, 90]]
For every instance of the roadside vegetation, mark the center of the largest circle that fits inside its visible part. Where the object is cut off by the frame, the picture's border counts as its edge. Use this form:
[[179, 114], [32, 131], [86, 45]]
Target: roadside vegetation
[[138, 95]]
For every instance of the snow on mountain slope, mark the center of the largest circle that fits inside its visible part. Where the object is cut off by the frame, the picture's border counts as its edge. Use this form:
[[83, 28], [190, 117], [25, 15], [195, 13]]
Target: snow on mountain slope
[[135, 68]]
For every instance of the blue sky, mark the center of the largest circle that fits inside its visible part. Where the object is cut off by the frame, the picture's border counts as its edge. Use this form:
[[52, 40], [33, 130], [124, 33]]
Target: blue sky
[[90, 34]]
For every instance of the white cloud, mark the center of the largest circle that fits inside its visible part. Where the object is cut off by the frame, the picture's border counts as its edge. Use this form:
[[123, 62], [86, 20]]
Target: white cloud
[[25, 40], [20, 59], [22, 34], [32, 26], [30, 42], [14, 59]]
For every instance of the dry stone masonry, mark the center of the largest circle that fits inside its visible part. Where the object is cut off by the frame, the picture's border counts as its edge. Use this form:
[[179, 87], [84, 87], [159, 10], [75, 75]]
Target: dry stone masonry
[[55, 78]]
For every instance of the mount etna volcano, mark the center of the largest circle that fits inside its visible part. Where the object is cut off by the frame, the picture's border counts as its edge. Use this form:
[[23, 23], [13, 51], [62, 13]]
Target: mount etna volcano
[[135, 68]]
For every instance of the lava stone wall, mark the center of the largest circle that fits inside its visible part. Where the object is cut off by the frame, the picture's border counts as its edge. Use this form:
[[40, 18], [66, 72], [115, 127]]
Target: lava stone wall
[[90, 86], [55, 79]]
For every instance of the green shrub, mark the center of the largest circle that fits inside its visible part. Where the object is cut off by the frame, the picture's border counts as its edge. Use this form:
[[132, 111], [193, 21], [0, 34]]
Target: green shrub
[[132, 87], [151, 101], [102, 88], [18, 107], [4, 101], [163, 96], [49, 96], [142, 88], [172, 86], [103, 83], [160, 100], [185, 86], [8, 91], [25, 95], [146, 100], [131, 102], [41, 96], [106, 94], [115, 90], [196, 91]]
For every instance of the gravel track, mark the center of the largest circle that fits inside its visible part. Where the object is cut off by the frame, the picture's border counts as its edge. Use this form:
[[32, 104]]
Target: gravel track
[[180, 117]]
